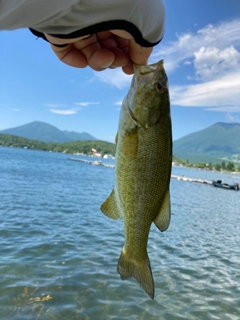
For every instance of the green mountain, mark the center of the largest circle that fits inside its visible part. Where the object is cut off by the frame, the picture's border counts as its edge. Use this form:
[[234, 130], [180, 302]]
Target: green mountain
[[218, 142], [45, 132], [74, 136]]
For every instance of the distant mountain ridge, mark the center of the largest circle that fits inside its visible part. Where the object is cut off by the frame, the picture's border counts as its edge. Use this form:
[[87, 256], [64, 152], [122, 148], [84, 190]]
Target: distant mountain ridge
[[45, 132], [220, 141]]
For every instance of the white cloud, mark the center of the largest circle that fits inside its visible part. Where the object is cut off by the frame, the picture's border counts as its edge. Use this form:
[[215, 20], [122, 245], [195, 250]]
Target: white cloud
[[214, 54], [114, 77], [118, 103], [63, 112], [85, 104], [16, 110], [222, 93], [225, 109], [211, 62], [221, 36], [230, 118], [62, 109]]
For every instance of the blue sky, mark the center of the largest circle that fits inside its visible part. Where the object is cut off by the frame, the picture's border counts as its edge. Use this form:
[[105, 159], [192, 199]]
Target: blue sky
[[201, 49]]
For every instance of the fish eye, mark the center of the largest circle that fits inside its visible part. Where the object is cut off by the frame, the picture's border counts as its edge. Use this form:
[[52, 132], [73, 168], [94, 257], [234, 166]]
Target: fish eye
[[160, 88]]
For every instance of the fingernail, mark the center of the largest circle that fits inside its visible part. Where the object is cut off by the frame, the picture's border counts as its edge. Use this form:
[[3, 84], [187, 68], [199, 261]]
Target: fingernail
[[106, 66]]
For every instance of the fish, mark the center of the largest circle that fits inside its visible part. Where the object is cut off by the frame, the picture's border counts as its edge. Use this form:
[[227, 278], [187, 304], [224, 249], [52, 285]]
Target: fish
[[143, 163]]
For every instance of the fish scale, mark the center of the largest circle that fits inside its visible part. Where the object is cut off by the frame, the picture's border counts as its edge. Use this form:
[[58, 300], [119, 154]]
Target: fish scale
[[143, 170]]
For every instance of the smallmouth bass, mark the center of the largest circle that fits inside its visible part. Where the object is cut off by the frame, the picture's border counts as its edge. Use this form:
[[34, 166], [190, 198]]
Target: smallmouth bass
[[143, 170]]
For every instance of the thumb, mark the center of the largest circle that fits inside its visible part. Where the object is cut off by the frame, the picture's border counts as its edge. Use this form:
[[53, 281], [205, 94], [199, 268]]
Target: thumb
[[138, 54]]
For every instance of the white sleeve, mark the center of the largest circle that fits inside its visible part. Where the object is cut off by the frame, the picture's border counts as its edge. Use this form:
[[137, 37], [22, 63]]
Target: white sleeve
[[16, 14], [145, 20]]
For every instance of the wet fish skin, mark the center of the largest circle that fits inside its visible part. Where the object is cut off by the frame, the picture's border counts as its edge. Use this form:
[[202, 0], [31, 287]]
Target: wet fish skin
[[143, 170]]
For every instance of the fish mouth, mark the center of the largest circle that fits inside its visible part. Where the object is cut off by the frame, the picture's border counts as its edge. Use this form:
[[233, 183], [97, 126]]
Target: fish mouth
[[145, 69]]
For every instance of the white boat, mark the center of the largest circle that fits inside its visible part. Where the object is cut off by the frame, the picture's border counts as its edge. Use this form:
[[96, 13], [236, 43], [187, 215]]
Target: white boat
[[108, 156]]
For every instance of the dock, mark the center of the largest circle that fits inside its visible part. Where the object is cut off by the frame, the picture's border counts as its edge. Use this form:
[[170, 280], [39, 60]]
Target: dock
[[100, 163], [94, 163], [183, 178]]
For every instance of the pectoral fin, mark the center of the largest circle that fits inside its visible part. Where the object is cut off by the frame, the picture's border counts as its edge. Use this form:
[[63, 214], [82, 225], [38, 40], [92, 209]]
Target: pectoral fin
[[109, 207], [116, 139], [163, 218], [130, 143]]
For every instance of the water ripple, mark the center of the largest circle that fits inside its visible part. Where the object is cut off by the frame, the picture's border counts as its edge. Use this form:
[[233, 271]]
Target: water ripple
[[59, 253]]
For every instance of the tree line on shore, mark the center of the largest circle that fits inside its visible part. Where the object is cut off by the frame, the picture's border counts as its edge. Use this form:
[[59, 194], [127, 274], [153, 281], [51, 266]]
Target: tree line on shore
[[220, 166], [86, 146], [80, 146]]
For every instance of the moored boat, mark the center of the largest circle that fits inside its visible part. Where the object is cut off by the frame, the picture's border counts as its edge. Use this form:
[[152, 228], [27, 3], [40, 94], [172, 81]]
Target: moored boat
[[220, 184]]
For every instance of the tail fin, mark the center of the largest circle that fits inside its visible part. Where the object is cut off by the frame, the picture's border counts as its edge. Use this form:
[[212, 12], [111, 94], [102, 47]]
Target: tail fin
[[140, 270]]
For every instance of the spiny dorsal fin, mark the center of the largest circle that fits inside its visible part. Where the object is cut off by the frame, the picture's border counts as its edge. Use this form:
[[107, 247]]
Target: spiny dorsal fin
[[109, 207], [162, 220]]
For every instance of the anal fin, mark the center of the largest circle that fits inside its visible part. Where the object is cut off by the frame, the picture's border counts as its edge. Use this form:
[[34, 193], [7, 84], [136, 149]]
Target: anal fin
[[163, 218]]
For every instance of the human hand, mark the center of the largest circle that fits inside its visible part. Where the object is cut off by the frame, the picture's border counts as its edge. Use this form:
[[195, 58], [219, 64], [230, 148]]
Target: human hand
[[108, 49]]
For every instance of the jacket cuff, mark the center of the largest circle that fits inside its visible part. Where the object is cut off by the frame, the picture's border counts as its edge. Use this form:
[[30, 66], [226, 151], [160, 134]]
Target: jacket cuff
[[42, 35]]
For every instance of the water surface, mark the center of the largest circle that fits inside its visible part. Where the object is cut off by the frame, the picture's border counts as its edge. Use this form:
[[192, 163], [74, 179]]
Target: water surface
[[59, 253]]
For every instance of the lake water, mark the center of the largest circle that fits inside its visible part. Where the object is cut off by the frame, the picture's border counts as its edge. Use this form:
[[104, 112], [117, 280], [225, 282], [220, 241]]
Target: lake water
[[59, 253]]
